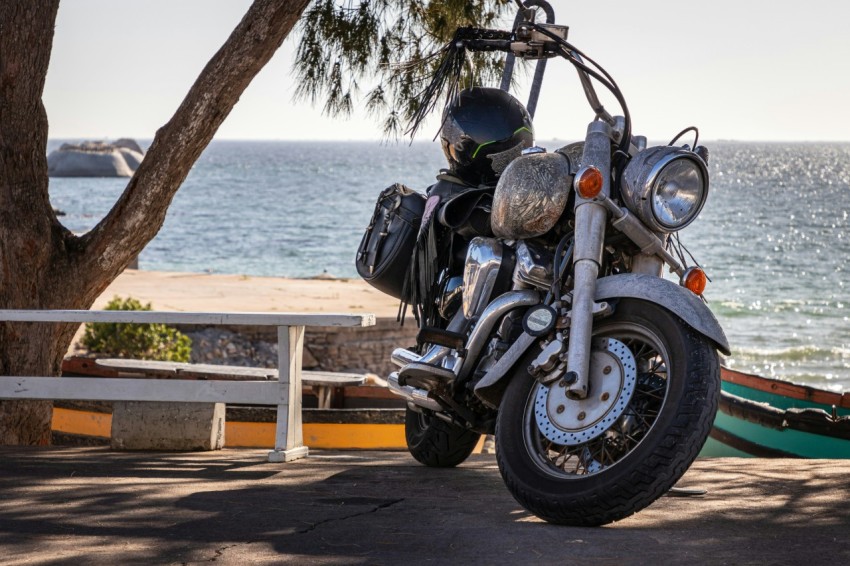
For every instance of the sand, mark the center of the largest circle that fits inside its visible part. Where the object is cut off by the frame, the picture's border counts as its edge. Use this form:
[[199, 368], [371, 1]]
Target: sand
[[199, 292]]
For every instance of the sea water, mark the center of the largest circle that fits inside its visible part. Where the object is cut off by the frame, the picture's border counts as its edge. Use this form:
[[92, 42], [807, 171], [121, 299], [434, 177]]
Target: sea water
[[773, 236]]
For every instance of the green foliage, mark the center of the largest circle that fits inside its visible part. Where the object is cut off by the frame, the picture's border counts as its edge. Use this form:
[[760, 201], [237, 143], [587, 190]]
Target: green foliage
[[344, 42], [141, 341]]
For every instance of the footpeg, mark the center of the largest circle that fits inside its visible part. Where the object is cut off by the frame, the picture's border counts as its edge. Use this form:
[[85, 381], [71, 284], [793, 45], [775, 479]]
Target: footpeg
[[424, 376], [447, 338]]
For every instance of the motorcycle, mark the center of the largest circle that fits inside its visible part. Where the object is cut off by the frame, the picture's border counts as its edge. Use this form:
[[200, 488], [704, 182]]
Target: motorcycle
[[598, 377]]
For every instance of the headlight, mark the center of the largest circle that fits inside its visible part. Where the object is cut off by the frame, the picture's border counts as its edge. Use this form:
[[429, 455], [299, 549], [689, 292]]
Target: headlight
[[665, 187]]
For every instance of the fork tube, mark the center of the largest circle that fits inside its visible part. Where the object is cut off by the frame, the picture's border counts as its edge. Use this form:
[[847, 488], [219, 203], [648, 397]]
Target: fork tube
[[590, 218]]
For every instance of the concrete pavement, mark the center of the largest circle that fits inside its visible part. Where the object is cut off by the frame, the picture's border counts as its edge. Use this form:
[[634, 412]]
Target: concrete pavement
[[94, 506]]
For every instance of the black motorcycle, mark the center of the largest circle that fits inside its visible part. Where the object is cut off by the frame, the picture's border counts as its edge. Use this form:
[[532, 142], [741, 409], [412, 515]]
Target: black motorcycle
[[599, 378]]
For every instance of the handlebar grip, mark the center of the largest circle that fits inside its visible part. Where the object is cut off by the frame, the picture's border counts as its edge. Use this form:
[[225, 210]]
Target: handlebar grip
[[487, 44]]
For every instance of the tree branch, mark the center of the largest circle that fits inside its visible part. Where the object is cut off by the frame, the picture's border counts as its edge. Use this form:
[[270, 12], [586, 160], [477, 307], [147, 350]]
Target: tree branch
[[140, 211]]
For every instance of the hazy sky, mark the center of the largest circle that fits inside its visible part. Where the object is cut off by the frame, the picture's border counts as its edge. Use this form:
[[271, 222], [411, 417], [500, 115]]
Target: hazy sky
[[744, 69]]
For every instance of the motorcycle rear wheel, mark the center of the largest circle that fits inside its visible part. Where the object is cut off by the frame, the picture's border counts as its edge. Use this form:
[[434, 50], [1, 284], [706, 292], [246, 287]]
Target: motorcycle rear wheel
[[437, 443], [643, 453]]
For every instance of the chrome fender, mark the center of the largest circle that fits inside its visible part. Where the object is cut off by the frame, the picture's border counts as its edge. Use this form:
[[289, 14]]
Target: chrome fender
[[667, 294]]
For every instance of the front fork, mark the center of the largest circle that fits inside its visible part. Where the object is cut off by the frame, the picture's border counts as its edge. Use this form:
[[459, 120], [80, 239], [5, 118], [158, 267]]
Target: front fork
[[590, 220]]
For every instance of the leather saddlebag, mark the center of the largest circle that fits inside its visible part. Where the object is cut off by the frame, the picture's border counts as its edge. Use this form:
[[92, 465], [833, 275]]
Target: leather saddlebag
[[385, 252]]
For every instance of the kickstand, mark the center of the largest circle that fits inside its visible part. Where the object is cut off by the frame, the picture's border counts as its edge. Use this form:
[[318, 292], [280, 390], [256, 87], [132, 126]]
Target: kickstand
[[685, 492]]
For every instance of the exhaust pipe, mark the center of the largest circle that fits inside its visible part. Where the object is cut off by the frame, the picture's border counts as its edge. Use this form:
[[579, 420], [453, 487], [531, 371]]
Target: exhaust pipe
[[402, 356], [477, 338], [488, 319], [412, 394]]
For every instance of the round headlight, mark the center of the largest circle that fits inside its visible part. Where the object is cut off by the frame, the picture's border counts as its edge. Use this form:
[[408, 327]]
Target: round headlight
[[666, 187]]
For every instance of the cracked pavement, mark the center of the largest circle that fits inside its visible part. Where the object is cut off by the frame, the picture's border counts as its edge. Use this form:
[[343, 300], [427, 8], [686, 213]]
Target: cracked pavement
[[94, 506]]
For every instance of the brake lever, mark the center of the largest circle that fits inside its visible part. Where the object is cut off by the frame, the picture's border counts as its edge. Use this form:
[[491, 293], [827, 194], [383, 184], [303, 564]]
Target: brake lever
[[533, 44]]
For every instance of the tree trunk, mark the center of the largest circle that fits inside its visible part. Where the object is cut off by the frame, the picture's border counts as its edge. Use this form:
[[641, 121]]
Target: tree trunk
[[43, 265]]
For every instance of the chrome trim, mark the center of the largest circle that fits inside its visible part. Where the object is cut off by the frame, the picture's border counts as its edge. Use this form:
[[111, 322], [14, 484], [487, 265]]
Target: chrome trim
[[402, 356], [651, 244], [581, 324], [484, 389], [488, 320], [483, 259], [435, 355], [411, 394], [648, 265], [591, 218], [533, 265], [639, 179], [450, 290]]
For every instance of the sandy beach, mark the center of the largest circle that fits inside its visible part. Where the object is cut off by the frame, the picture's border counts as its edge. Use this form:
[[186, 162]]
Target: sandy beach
[[200, 292]]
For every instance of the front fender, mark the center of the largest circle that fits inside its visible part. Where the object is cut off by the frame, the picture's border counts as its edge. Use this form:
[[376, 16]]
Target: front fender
[[662, 292], [680, 301]]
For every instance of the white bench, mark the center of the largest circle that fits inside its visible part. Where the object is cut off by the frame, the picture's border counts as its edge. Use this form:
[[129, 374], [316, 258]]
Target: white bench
[[285, 392], [322, 382]]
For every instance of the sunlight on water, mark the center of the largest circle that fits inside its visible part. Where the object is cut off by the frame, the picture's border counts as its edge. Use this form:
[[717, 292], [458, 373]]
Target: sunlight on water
[[773, 236]]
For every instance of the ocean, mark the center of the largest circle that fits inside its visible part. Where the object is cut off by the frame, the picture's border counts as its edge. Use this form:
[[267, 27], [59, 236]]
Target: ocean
[[773, 236]]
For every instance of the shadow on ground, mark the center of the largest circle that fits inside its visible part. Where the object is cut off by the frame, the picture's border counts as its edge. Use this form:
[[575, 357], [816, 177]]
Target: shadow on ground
[[97, 506]]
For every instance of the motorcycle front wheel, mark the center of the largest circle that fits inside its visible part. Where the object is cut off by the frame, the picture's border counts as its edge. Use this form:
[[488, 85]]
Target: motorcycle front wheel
[[669, 406]]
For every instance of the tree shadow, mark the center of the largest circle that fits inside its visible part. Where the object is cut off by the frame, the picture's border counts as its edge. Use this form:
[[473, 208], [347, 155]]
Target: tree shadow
[[375, 508]]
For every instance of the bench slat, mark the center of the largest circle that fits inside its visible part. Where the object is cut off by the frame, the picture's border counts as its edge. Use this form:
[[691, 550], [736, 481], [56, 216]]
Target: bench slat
[[121, 389], [177, 317], [203, 371]]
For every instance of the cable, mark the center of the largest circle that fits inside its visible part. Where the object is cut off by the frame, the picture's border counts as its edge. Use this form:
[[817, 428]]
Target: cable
[[693, 129], [569, 52], [560, 264]]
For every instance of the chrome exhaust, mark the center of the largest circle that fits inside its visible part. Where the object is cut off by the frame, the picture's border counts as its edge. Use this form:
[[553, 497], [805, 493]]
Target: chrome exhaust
[[477, 338], [476, 342], [488, 320], [413, 395], [402, 356]]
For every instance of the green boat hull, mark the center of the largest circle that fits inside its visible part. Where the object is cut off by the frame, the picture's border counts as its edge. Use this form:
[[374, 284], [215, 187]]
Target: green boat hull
[[761, 417]]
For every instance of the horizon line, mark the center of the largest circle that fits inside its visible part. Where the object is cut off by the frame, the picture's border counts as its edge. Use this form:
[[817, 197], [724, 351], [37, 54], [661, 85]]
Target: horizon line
[[406, 141]]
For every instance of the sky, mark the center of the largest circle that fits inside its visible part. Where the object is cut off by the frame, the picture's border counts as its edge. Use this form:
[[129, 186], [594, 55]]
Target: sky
[[751, 70]]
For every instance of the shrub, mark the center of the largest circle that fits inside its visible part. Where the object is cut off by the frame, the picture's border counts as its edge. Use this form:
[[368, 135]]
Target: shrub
[[142, 341]]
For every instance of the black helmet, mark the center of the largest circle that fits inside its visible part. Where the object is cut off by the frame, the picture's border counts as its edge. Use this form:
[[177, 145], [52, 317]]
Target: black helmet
[[483, 130]]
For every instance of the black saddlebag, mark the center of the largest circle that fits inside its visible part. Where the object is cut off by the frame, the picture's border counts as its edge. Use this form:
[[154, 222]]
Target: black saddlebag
[[383, 258]]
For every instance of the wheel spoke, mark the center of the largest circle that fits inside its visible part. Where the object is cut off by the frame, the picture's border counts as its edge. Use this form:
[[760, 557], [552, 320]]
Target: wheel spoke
[[613, 445]]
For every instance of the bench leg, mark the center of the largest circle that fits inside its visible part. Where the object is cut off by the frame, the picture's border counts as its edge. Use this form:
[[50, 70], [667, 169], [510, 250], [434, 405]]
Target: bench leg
[[289, 437], [324, 394]]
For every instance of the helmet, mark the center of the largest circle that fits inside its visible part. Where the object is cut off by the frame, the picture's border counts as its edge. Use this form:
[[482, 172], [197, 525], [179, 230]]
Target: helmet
[[483, 130]]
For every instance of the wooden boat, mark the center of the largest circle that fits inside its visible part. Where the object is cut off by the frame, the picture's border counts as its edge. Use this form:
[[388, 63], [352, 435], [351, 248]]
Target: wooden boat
[[770, 418]]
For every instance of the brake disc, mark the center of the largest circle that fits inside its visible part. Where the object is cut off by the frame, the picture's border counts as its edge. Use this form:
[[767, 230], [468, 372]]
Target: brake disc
[[568, 422]]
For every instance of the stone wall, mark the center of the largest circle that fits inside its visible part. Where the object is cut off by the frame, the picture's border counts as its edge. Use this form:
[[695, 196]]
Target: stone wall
[[359, 350]]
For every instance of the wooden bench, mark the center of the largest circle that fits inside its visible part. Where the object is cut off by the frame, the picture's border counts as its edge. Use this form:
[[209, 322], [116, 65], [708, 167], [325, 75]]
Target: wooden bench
[[285, 392], [322, 382]]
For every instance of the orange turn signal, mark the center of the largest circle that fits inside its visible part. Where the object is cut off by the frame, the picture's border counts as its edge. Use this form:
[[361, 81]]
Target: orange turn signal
[[589, 182], [695, 280]]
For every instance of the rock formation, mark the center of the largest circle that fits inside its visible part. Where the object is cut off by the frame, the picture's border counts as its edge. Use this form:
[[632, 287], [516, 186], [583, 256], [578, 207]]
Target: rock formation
[[95, 159]]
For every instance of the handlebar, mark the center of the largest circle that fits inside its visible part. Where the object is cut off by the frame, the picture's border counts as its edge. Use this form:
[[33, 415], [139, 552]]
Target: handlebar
[[487, 44]]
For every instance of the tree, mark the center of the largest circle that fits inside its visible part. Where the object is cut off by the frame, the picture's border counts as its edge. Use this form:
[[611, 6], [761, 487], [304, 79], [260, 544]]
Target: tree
[[396, 42], [44, 266]]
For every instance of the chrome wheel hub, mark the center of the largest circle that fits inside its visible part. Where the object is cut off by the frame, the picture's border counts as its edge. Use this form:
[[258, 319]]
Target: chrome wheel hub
[[569, 422]]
